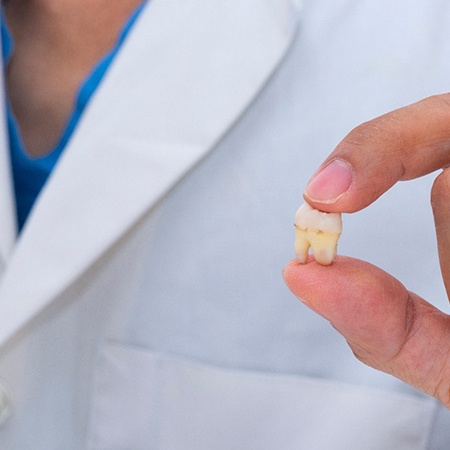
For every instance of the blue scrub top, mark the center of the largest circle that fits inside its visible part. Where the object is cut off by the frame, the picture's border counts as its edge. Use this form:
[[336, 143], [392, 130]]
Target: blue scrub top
[[30, 174]]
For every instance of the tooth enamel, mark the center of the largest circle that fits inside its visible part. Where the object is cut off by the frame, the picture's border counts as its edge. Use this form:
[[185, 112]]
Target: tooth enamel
[[318, 230]]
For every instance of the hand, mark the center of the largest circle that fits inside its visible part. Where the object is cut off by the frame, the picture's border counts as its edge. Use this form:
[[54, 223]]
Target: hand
[[387, 327]]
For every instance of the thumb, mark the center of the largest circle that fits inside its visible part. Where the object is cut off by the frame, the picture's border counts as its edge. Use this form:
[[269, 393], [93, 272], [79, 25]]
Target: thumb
[[386, 326]]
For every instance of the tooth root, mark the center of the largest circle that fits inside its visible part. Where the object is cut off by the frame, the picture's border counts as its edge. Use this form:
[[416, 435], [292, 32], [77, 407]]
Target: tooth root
[[324, 247], [302, 244]]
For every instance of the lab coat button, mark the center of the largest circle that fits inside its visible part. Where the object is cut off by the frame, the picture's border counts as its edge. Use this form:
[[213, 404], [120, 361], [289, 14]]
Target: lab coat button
[[5, 403]]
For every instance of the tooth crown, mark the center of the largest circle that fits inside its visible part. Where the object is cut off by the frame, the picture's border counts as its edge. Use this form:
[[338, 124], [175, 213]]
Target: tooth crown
[[318, 230], [309, 218]]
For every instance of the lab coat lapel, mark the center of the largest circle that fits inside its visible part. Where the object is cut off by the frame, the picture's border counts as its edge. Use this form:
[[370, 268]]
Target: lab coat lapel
[[187, 71]]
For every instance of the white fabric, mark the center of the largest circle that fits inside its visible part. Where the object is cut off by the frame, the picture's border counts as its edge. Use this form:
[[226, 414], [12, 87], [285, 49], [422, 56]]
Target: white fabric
[[164, 232], [170, 403]]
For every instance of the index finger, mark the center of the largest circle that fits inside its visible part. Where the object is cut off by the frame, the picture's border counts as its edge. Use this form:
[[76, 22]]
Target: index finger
[[404, 144]]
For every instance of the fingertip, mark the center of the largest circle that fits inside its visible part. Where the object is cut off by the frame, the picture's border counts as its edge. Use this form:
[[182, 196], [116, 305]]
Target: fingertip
[[330, 183], [304, 279], [348, 288]]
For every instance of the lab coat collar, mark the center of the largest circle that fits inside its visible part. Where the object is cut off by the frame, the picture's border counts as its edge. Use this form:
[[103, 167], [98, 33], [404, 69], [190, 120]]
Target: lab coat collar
[[186, 72]]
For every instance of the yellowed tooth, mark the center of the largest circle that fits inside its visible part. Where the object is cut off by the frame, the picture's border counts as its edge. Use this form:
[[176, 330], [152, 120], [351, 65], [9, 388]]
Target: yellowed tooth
[[318, 230]]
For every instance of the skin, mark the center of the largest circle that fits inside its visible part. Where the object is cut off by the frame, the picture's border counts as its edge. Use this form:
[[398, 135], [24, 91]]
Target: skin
[[57, 42], [387, 327]]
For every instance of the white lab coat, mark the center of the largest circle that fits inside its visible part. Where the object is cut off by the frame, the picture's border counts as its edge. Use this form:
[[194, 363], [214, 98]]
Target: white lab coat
[[143, 307]]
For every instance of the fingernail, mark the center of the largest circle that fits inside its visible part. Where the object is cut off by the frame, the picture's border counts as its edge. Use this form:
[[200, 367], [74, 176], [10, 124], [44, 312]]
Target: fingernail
[[328, 185]]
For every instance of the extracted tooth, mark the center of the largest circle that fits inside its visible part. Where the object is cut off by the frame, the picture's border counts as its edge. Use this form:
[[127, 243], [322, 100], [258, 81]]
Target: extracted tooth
[[318, 230]]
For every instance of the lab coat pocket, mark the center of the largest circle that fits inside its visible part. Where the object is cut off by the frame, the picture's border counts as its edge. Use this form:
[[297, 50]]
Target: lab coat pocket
[[153, 401]]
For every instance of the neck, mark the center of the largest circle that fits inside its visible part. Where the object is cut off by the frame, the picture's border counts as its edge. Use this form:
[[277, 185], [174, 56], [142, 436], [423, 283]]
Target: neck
[[75, 26], [56, 44]]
